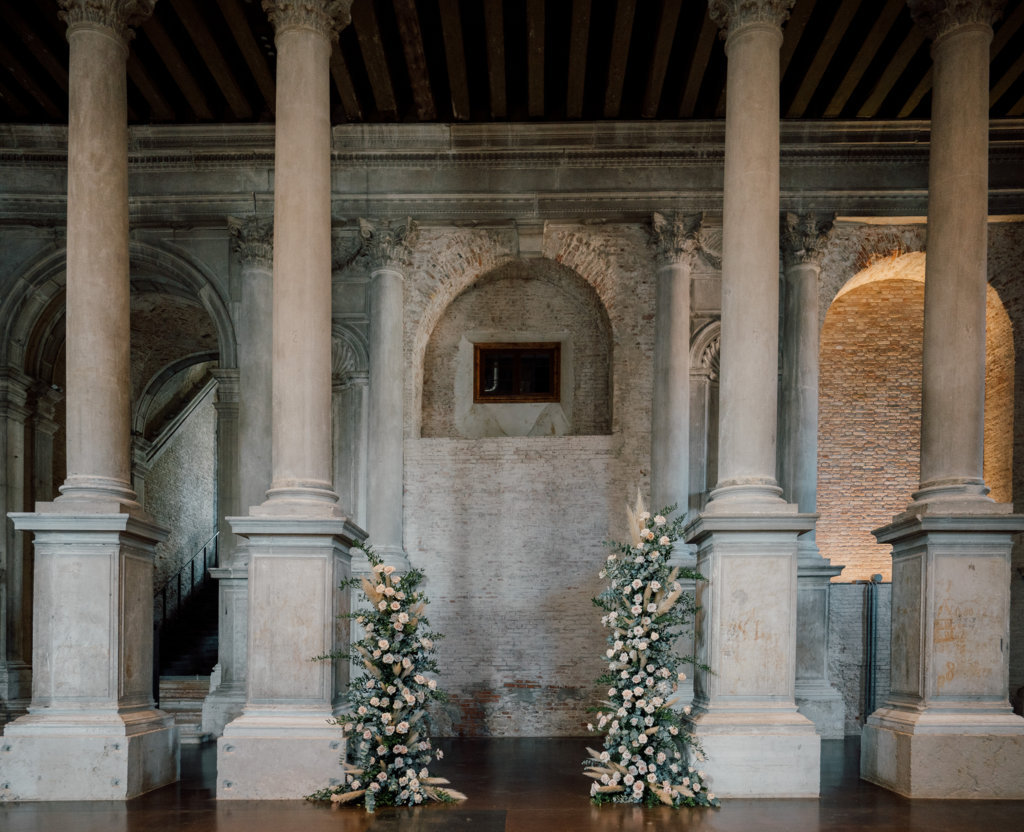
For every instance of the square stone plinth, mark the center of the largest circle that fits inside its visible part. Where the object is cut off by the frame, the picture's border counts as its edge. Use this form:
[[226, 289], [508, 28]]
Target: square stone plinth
[[88, 759]]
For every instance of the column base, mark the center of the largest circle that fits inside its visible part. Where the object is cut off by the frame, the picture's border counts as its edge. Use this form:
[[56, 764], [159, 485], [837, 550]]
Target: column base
[[278, 756], [221, 706], [759, 754], [944, 755], [824, 706], [88, 756]]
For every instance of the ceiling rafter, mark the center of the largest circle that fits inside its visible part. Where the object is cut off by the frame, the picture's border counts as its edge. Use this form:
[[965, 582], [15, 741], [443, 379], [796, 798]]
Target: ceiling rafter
[[254, 57], [667, 24], [171, 57], [793, 31], [622, 34], [159, 109], [343, 83], [210, 52], [698, 66], [415, 59], [40, 51], [823, 57], [494, 25], [25, 80], [578, 35], [364, 21], [455, 56], [897, 64], [865, 55], [535, 57]]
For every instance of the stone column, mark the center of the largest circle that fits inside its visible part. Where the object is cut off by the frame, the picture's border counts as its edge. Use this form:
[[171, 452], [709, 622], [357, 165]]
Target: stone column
[[804, 238], [745, 714], [946, 729], [252, 242], [92, 732], [15, 563], [351, 418], [387, 248], [282, 747]]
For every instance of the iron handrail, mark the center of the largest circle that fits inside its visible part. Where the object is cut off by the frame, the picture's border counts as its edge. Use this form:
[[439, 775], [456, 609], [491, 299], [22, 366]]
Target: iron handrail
[[184, 582]]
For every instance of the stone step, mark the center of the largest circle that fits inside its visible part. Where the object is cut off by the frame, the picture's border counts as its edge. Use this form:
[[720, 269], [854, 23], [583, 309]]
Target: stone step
[[182, 697]]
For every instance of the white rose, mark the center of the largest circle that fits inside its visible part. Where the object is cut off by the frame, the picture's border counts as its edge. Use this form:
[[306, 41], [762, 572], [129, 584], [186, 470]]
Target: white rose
[[389, 570], [664, 540], [659, 520]]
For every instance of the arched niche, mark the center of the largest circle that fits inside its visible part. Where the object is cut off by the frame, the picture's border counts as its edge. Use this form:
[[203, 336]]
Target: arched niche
[[535, 301], [870, 408]]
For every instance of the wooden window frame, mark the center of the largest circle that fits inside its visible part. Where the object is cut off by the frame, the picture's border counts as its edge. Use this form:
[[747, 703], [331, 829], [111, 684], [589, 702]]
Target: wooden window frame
[[554, 347]]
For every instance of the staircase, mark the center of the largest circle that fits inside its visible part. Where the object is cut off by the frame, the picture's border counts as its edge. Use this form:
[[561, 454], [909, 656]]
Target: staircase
[[182, 697]]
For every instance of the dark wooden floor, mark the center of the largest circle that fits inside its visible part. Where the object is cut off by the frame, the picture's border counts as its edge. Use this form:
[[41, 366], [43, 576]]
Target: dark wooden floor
[[517, 785]]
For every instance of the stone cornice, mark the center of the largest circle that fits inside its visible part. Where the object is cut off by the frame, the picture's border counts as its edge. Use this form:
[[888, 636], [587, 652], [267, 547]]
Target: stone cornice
[[117, 15], [252, 239], [804, 237], [328, 17], [732, 15], [939, 17], [387, 246]]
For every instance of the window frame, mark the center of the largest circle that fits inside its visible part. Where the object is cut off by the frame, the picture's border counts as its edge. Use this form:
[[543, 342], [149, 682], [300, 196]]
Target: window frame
[[554, 347]]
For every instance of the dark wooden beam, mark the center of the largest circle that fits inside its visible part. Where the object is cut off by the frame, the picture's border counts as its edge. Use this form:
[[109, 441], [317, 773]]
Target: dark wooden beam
[[343, 83], [255, 58], [13, 102], [455, 57], [415, 59], [1006, 81], [1007, 30], [1017, 110], [792, 31], [920, 91], [911, 43], [822, 57], [577, 58], [535, 57], [175, 64], [24, 79], [659, 59], [364, 21], [495, 27], [868, 49], [619, 57], [698, 66], [159, 109], [210, 52], [23, 32]]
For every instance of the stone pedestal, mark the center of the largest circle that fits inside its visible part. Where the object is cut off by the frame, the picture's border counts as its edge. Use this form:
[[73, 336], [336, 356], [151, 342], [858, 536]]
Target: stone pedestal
[[92, 732], [227, 696], [947, 730], [282, 747], [816, 698], [744, 713]]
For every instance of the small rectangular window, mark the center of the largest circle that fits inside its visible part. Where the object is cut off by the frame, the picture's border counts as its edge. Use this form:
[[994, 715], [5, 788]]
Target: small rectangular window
[[516, 372]]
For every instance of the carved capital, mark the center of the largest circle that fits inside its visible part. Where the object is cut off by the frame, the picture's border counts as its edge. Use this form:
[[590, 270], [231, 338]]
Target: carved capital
[[387, 246], [676, 237], [804, 237], [328, 17], [731, 15], [939, 17], [252, 239], [117, 15]]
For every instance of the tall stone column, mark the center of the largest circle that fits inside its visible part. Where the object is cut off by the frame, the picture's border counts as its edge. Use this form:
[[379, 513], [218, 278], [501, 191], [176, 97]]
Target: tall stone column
[[92, 731], [15, 575], [946, 729], [252, 243], [387, 248], [804, 238], [744, 709], [282, 746]]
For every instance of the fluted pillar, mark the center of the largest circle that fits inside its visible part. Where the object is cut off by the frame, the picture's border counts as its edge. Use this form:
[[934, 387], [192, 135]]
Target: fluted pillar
[[804, 238], [946, 729], [745, 714], [92, 731], [282, 744], [386, 247]]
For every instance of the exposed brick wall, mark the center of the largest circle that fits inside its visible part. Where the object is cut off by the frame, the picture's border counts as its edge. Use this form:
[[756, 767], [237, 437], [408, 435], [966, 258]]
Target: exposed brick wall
[[848, 646]]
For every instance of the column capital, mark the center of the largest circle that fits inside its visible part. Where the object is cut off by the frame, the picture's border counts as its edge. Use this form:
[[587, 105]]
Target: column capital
[[388, 246], [939, 17], [731, 15], [804, 237], [227, 387], [328, 17], [676, 237], [117, 15], [252, 239]]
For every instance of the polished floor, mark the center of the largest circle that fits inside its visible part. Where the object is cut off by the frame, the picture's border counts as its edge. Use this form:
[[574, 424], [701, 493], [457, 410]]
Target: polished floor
[[518, 785]]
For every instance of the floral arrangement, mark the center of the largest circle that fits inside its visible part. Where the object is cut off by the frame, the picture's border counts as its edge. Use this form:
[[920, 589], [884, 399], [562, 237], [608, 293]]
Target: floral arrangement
[[387, 728], [648, 755]]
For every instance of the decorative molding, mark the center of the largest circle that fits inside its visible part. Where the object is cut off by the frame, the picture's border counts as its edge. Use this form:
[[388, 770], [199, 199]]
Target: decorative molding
[[939, 17], [117, 15], [710, 358], [388, 246], [252, 239], [804, 237], [328, 17], [731, 15]]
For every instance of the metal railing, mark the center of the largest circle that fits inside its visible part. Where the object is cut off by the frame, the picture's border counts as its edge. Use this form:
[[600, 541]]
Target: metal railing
[[192, 575]]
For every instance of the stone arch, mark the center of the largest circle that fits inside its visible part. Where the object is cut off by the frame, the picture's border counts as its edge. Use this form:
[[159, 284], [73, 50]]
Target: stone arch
[[705, 352], [521, 300], [869, 410], [146, 407]]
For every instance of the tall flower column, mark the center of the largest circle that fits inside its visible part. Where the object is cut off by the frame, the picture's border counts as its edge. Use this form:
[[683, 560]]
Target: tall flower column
[[387, 248], [804, 238], [946, 729], [744, 710], [92, 731], [298, 538], [252, 243]]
